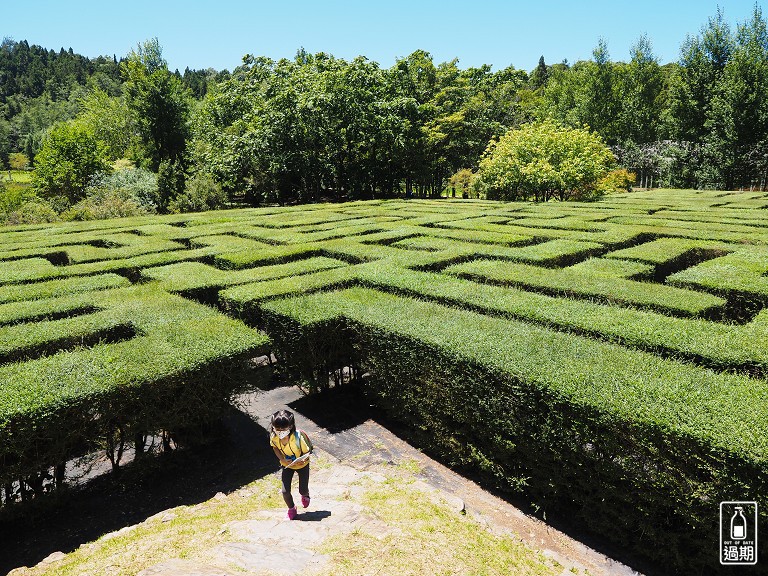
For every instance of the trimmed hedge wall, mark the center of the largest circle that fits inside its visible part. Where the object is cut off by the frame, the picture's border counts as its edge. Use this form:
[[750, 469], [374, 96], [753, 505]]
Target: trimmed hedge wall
[[174, 373], [570, 282]]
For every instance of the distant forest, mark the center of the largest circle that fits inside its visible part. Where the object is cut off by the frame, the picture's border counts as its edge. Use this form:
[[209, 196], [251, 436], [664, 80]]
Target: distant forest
[[40, 87], [320, 127]]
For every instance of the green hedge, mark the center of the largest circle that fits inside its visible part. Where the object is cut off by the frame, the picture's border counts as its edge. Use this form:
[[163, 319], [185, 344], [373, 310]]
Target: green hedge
[[266, 256], [61, 287], [604, 381], [26, 269], [718, 345], [570, 282], [23, 341], [47, 308], [742, 271], [319, 236], [552, 252], [634, 447], [125, 246], [702, 230], [667, 250], [243, 301], [186, 276], [173, 373], [228, 243], [615, 235]]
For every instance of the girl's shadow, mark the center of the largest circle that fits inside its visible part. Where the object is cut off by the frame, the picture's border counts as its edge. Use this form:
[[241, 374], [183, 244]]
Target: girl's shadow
[[314, 516]]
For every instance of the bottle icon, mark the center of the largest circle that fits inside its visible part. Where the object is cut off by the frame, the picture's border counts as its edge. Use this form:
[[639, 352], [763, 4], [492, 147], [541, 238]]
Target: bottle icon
[[738, 525]]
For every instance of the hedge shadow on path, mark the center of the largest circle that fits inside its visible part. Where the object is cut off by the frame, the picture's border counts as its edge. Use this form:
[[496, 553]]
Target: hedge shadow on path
[[240, 454], [337, 409]]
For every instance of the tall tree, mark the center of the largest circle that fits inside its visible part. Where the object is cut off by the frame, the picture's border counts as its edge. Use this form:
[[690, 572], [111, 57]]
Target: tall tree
[[598, 104], [641, 95], [109, 119], [540, 74], [738, 118], [702, 61], [159, 103]]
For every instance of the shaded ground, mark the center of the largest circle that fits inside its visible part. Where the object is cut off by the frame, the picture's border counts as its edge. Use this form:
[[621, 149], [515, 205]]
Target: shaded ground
[[109, 503], [341, 423]]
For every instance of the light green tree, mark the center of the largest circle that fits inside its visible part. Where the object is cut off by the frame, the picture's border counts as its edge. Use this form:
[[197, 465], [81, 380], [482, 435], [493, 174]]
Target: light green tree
[[70, 156], [461, 180], [543, 160], [18, 161]]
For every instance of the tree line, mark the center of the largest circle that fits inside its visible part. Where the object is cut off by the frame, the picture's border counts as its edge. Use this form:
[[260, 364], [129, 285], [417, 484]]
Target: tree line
[[320, 127]]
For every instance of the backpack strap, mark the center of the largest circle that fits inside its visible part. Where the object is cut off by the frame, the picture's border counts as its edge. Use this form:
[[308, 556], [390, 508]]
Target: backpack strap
[[299, 435]]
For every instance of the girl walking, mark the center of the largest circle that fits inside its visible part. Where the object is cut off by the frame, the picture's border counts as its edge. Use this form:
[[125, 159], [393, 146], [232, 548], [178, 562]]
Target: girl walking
[[292, 447]]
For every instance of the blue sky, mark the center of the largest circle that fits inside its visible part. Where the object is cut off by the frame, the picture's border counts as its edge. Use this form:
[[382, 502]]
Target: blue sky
[[217, 34]]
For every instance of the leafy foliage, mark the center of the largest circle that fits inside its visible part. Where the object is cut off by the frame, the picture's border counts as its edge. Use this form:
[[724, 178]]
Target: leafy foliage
[[543, 160], [159, 104], [137, 184], [33, 211], [110, 121], [201, 193], [18, 161], [103, 203], [618, 180], [319, 127], [71, 155]]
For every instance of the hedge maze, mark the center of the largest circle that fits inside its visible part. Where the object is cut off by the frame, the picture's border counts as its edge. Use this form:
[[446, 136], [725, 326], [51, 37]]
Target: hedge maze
[[608, 359]]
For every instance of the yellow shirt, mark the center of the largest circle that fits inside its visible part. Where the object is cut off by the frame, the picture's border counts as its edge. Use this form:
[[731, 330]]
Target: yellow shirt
[[291, 449]]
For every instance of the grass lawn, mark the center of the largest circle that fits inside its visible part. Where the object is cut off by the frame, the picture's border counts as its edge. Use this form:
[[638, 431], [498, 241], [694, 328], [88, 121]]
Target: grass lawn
[[17, 176]]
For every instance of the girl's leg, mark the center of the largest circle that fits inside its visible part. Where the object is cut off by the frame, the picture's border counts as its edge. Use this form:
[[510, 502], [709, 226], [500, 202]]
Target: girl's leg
[[287, 477], [304, 483]]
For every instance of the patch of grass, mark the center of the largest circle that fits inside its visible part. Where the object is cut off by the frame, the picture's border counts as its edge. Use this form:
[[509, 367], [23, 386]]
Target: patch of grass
[[427, 537], [20, 176], [188, 533], [410, 465]]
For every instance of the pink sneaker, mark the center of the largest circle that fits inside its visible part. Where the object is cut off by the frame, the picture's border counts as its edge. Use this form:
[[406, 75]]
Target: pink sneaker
[[291, 513], [305, 501]]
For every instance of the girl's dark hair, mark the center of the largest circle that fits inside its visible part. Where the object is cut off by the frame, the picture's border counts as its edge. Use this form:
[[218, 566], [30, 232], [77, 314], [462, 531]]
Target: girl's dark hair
[[283, 419]]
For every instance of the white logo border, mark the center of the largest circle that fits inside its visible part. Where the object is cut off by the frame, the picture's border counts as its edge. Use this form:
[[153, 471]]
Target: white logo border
[[721, 533]]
